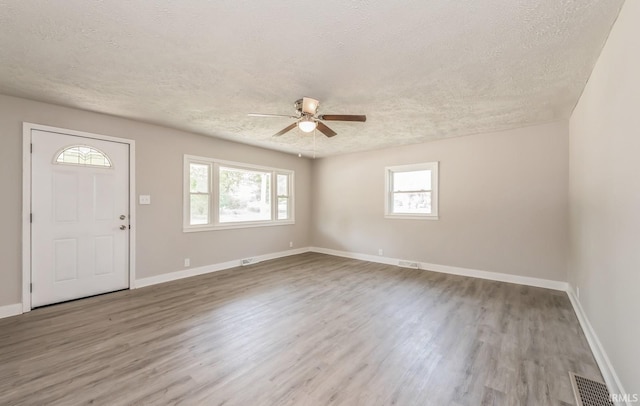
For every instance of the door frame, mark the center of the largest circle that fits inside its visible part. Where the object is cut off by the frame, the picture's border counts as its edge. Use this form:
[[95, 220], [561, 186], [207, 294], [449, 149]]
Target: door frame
[[26, 201]]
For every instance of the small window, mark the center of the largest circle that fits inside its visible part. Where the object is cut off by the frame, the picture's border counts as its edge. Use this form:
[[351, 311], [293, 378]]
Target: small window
[[220, 194], [199, 193], [283, 180], [412, 191], [83, 155]]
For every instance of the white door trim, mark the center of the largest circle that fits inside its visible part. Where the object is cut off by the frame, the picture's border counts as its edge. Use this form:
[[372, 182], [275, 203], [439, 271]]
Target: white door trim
[[26, 202]]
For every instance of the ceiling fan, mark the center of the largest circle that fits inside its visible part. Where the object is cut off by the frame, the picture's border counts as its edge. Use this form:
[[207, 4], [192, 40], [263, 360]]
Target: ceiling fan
[[308, 119]]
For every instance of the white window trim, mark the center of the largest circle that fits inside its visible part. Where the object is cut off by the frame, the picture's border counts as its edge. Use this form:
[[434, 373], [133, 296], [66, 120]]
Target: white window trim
[[388, 193], [214, 212]]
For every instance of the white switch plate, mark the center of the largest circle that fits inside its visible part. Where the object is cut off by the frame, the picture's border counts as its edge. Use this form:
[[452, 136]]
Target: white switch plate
[[145, 199]]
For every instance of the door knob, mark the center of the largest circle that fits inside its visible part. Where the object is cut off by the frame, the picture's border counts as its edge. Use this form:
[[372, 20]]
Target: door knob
[[123, 227], [122, 217]]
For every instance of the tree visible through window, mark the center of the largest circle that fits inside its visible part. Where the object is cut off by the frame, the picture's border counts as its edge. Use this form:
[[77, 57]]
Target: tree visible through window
[[244, 195], [283, 196], [412, 190], [223, 194], [199, 196]]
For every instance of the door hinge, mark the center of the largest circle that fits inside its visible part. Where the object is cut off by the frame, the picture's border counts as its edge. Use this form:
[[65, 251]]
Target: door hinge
[[30, 217], [31, 287], [31, 148]]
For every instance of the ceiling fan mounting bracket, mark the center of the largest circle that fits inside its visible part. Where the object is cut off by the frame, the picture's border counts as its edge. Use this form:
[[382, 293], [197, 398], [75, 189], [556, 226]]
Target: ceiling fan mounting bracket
[[307, 106]]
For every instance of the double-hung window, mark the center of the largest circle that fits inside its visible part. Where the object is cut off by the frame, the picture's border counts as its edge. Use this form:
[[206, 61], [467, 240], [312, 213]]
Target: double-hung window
[[412, 191], [222, 194]]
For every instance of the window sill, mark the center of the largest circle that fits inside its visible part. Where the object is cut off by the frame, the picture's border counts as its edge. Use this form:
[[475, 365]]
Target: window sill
[[410, 217], [231, 226]]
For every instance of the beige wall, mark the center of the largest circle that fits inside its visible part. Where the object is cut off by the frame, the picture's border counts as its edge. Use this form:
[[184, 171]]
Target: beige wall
[[605, 197], [161, 244], [503, 203]]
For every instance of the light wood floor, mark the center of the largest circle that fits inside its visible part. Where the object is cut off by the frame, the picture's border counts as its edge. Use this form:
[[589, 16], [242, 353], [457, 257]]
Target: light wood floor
[[305, 330]]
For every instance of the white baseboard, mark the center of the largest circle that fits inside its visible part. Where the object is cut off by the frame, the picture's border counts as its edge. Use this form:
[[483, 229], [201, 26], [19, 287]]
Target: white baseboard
[[186, 273], [494, 276], [608, 373], [10, 310]]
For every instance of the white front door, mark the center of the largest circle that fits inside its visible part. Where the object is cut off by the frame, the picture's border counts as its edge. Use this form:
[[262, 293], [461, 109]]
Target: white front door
[[80, 223]]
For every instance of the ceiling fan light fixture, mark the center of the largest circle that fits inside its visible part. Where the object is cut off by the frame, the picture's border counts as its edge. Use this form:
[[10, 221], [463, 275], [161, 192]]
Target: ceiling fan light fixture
[[307, 125], [308, 120]]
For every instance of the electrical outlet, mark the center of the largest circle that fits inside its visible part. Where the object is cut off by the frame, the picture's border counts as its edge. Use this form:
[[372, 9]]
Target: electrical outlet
[[290, 244], [187, 262], [145, 199], [380, 251]]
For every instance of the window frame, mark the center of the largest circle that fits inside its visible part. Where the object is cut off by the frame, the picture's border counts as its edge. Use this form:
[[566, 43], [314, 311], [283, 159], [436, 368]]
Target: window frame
[[91, 165], [389, 193], [214, 193], [288, 196], [189, 193]]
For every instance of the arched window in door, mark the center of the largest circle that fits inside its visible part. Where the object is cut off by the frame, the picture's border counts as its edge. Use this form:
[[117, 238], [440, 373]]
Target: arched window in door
[[83, 155]]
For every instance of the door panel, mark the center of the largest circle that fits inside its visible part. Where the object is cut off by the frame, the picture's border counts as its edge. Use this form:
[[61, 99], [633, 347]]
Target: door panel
[[103, 188], [65, 253], [103, 255], [65, 197], [78, 246]]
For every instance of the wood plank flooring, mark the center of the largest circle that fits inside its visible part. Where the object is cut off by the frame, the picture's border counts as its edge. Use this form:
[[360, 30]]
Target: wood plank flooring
[[309, 330]]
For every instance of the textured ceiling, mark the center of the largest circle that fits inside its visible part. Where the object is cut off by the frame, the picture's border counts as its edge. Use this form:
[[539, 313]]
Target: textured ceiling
[[419, 70]]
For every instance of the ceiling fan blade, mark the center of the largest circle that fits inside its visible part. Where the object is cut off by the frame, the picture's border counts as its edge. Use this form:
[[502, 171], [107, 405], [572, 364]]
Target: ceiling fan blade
[[286, 129], [343, 117], [309, 105], [269, 115], [326, 130]]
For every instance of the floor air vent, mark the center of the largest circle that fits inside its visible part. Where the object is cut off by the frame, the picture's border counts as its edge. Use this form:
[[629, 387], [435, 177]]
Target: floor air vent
[[589, 392], [248, 261]]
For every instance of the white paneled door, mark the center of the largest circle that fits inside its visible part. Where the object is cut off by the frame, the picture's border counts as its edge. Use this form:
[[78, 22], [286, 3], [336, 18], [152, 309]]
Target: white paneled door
[[80, 217]]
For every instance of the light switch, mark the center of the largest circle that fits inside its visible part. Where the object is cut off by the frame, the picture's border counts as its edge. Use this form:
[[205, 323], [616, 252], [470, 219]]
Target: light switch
[[145, 199]]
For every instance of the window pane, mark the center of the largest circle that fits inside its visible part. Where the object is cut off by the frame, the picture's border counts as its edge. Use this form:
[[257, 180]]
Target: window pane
[[199, 178], [283, 208], [244, 195], [411, 181], [83, 155], [412, 203], [283, 185], [199, 213]]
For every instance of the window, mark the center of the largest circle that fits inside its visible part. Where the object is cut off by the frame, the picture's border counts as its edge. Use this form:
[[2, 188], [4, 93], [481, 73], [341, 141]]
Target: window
[[283, 196], [220, 194], [412, 191], [82, 155], [244, 195], [199, 193]]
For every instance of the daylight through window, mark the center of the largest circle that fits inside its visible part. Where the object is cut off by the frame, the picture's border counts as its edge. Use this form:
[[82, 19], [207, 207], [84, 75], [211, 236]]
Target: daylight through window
[[83, 155], [412, 191], [227, 194]]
